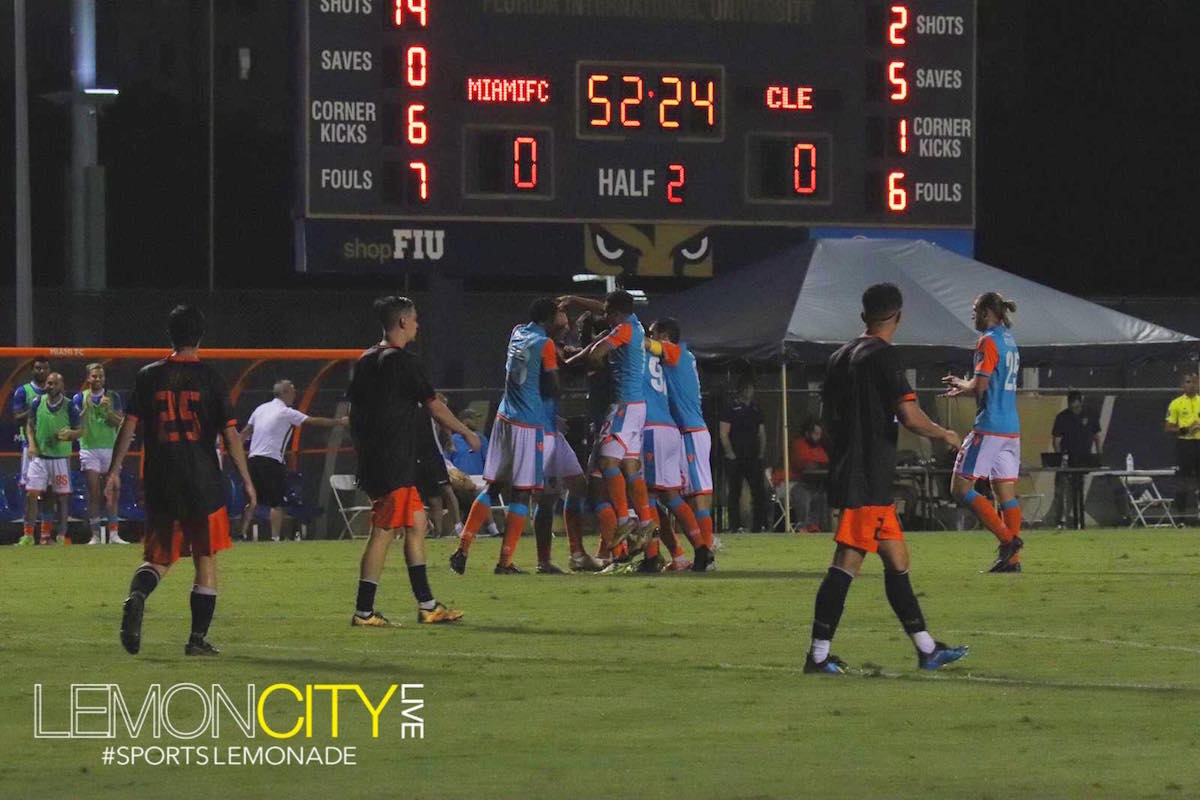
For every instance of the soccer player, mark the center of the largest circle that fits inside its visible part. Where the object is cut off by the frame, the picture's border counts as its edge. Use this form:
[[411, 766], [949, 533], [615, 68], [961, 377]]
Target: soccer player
[[682, 378], [22, 399], [183, 405], [433, 476], [517, 448], [992, 449], [618, 450], [564, 476], [387, 386], [50, 426], [101, 415], [865, 394], [269, 430]]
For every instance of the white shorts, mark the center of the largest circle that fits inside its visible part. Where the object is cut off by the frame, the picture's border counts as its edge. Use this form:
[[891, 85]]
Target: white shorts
[[559, 459], [697, 472], [989, 455], [515, 455], [97, 460], [662, 457], [620, 436], [50, 473]]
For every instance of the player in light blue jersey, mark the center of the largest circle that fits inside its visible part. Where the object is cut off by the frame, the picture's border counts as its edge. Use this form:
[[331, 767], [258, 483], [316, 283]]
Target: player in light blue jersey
[[516, 449], [992, 449], [617, 452], [22, 400], [682, 377]]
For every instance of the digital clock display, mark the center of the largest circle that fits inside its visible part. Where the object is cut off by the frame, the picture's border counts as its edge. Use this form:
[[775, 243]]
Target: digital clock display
[[758, 112]]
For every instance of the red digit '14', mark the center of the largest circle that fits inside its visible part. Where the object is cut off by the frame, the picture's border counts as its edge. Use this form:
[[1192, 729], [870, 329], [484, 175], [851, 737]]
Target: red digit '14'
[[414, 7], [675, 185]]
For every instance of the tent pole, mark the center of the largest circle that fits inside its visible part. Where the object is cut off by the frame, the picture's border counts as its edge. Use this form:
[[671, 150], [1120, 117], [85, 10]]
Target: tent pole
[[787, 472]]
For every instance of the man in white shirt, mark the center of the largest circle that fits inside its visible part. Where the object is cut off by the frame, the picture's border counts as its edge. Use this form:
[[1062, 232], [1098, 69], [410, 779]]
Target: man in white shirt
[[269, 431]]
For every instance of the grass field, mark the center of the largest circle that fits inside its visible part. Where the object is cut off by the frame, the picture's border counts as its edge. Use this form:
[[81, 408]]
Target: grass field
[[1083, 678]]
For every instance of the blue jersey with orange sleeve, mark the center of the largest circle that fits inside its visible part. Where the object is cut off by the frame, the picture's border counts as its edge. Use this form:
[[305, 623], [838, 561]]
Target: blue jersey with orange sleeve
[[628, 361], [658, 409], [530, 353], [683, 386], [997, 358]]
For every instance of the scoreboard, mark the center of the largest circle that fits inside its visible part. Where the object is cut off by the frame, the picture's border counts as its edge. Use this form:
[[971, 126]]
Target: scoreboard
[[737, 112]]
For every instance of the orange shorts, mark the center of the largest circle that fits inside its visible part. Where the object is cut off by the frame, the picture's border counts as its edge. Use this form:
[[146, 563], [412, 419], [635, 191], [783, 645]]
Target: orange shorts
[[398, 509], [863, 528], [165, 542]]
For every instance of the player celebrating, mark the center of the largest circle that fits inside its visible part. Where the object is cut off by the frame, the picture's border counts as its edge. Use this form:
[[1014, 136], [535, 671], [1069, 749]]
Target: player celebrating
[[101, 415], [683, 398], [992, 449], [564, 476], [22, 399], [183, 405], [618, 449], [865, 393], [516, 452], [50, 427], [387, 387]]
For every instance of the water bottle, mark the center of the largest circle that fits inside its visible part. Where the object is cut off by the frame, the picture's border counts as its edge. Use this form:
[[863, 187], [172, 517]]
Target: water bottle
[[1129, 462]]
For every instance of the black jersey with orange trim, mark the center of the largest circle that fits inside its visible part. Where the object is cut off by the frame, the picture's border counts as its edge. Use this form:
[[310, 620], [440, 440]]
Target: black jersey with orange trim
[[864, 384], [386, 421], [183, 405]]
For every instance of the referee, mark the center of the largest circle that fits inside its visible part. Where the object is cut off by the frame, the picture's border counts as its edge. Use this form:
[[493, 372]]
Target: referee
[[269, 431], [1183, 420]]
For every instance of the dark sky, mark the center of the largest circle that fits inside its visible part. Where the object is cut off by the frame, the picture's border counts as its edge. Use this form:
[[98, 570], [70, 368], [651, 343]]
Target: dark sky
[[1086, 179]]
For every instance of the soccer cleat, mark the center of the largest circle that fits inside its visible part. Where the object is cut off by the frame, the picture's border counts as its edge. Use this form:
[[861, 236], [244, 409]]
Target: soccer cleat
[[1004, 556], [679, 566], [624, 531], [25, 541], [941, 656], [507, 569], [438, 615], [704, 560], [376, 620], [832, 665], [548, 568], [95, 539], [642, 535], [113, 538], [1013, 566], [200, 647], [131, 622], [652, 566], [458, 561], [584, 562]]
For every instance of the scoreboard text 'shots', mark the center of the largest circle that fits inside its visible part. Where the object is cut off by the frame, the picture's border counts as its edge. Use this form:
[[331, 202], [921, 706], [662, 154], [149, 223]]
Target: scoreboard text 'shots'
[[791, 112]]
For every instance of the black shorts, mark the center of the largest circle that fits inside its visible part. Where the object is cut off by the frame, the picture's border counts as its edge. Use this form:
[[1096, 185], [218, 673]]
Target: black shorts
[[270, 481], [1187, 457], [432, 476]]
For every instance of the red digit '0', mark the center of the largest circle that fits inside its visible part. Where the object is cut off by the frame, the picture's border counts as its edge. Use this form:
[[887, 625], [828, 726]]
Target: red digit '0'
[[416, 7], [676, 183], [804, 168], [899, 24], [531, 143], [418, 66], [418, 131], [897, 194]]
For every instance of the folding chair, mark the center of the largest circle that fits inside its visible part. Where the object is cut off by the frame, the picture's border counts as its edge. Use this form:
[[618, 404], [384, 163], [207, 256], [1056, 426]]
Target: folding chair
[[349, 513], [1150, 508], [775, 501]]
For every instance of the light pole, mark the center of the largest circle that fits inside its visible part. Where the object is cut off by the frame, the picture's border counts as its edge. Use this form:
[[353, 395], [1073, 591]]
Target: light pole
[[24, 293]]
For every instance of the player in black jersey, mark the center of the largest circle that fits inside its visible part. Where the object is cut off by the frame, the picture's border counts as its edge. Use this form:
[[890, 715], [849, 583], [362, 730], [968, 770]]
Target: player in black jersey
[[183, 406], [865, 394], [385, 394]]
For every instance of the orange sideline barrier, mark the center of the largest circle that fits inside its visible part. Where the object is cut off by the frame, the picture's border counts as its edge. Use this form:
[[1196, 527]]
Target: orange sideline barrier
[[281, 354]]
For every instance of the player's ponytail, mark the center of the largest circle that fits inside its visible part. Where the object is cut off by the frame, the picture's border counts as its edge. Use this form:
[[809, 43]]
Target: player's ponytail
[[995, 302]]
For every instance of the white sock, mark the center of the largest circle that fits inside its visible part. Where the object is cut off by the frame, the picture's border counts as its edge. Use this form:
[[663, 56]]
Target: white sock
[[924, 642], [492, 529], [458, 528], [428, 605], [820, 650]]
